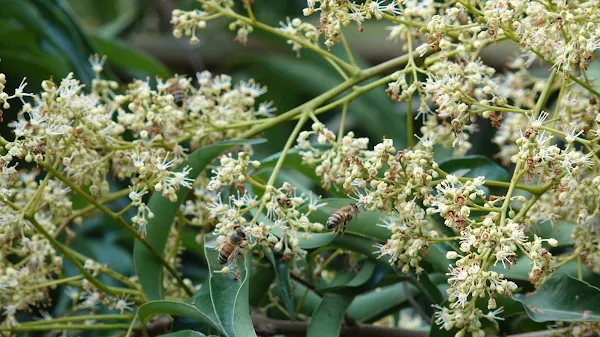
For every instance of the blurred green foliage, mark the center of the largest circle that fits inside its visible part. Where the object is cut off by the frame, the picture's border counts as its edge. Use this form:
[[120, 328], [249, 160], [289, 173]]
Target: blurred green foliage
[[42, 39]]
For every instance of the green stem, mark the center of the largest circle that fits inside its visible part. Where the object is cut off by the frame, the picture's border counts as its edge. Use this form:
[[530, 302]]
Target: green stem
[[116, 317], [136, 290], [55, 282], [565, 261], [247, 5], [545, 94], [440, 240], [272, 30], [58, 246], [513, 182], [279, 164], [321, 99], [348, 50], [120, 221], [130, 328], [90, 208], [342, 122], [61, 327], [579, 267], [527, 207], [328, 261], [494, 183]]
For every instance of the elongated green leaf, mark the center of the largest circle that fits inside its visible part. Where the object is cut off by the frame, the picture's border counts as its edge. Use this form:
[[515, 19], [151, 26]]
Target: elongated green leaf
[[364, 246], [296, 179], [152, 308], [293, 160], [261, 279], [230, 297], [378, 120], [373, 304], [123, 55], [594, 69], [147, 267], [185, 333], [436, 256], [521, 269], [310, 241], [475, 166], [308, 299], [327, 319], [564, 299], [282, 274], [349, 279], [202, 301], [364, 225], [561, 231], [65, 34]]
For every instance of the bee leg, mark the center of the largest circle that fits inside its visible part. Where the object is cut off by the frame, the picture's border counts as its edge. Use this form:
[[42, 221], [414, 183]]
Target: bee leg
[[344, 227]]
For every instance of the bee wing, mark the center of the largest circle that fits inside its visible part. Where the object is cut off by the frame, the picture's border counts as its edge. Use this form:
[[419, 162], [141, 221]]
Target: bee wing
[[234, 255], [212, 243]]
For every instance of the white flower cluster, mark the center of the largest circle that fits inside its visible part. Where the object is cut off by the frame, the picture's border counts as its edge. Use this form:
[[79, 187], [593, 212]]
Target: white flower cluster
[[286, 211], [409, 241], [452, 200], [336, 14], [332, 157], [186, 22], [75, 138], [232, 171], [300, 30]]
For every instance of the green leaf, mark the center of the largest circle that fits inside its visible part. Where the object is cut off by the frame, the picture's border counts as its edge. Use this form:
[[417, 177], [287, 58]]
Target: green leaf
[[123, 55], [293, 160], [374, 111], [175, 308], [147, 267], [424, 283], [282, 274], [64, 33], [436, 256], [262, 176], [188, 241], [185, 333], [563, 299], [118, 258], [521, 269], [316, 239], [230, 298], [261, 278], [327, 319], [370, 305], [308, 299], [365, 224], [349, 279], [561, 231], [473, 167], [594, 70], [202, 301]]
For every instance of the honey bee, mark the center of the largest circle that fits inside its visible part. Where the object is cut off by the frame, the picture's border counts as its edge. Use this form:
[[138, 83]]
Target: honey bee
[[230, 250], [177, 91], [284, 202], [342, 216]]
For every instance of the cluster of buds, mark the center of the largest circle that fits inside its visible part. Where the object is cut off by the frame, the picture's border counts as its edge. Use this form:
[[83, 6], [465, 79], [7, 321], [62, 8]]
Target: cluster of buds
[[338, 14], [186, 22], [409, 241], [335, 158], [301, 31]]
